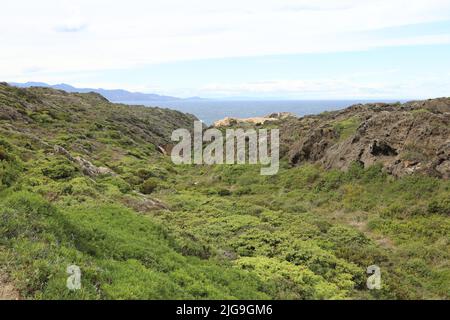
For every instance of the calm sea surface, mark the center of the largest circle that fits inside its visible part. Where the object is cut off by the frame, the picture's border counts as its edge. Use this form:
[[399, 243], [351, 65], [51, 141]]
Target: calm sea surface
[[213, 110]]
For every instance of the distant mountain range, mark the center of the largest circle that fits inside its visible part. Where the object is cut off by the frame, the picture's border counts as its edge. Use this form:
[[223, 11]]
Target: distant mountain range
[[112, 95]]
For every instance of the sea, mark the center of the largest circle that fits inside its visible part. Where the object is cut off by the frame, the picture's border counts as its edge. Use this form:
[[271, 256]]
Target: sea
[[210, 111]]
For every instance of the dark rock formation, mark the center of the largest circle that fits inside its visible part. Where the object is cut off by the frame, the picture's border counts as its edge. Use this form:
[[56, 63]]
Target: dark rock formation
[[405, 138]]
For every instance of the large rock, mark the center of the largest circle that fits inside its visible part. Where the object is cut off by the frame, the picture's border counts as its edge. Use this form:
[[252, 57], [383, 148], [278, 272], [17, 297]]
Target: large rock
[[91, 170], [227, 122], [85, 166]]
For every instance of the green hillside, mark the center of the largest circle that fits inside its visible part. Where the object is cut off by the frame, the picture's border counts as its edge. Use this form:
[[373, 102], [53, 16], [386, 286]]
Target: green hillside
[[85, 182]]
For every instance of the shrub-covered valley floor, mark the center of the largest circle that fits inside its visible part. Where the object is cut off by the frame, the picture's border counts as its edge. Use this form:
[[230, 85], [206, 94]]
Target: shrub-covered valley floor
[[153, 230]]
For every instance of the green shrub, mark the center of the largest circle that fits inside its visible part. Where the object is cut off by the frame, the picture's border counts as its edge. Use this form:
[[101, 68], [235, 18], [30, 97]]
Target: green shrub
[[117, 135], [152, 172], [331, 180], [290, 281], [59, 170], [243, 191], [120, 183], [355, 171], [9, 172], [144, 174], [42, 118], [81, 186], [149, 186], [415, 186], [347, 127], [24, 214], [4, 156], [374, 173], [10, 167], [223, 192], [440, 205]]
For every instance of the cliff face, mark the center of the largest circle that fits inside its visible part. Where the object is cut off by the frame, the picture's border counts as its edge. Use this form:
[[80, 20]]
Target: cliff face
[[405, 138]]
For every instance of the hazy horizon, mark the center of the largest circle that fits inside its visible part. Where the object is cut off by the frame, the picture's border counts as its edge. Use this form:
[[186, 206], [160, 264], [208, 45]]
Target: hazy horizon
[[225, 98], [212, 110]]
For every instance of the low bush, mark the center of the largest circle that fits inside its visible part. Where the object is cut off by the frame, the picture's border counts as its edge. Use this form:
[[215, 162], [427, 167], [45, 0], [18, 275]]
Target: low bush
[[440, 205], [59, 170], [149, 186]]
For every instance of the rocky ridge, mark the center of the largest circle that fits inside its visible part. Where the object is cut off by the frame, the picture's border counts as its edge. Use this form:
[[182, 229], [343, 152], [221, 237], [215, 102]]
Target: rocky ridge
[[404, 138]]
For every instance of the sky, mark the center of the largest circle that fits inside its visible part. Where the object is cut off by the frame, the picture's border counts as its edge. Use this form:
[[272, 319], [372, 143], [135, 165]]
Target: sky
[[265, 49]]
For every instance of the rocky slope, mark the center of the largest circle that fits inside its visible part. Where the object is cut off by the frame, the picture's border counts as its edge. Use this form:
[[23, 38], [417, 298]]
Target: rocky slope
[[39, 110], [47, 119], [405, 138]]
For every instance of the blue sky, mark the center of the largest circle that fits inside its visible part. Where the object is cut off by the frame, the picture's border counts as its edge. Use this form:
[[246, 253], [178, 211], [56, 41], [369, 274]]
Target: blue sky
[[296, 49]]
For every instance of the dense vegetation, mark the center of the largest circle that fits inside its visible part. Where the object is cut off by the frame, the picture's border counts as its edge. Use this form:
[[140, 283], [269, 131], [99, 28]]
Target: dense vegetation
[[152, 230]]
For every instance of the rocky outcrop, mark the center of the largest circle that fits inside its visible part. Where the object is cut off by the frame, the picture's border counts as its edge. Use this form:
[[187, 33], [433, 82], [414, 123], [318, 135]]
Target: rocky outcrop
[[90, 170], [228, 122], [85, 166], [405, 138], [281, 115], [274, 117], [145, 204]]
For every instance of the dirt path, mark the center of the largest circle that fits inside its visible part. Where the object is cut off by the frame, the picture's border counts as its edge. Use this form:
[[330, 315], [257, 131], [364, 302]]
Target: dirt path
[[7, 290]]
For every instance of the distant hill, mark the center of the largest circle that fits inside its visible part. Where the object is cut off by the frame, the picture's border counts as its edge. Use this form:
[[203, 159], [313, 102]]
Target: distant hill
[[111, 95]]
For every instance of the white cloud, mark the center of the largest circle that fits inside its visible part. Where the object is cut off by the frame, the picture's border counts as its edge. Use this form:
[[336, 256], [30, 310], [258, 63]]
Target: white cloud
[[333, 88], [138, 32], [344, 87], [72, 25]]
